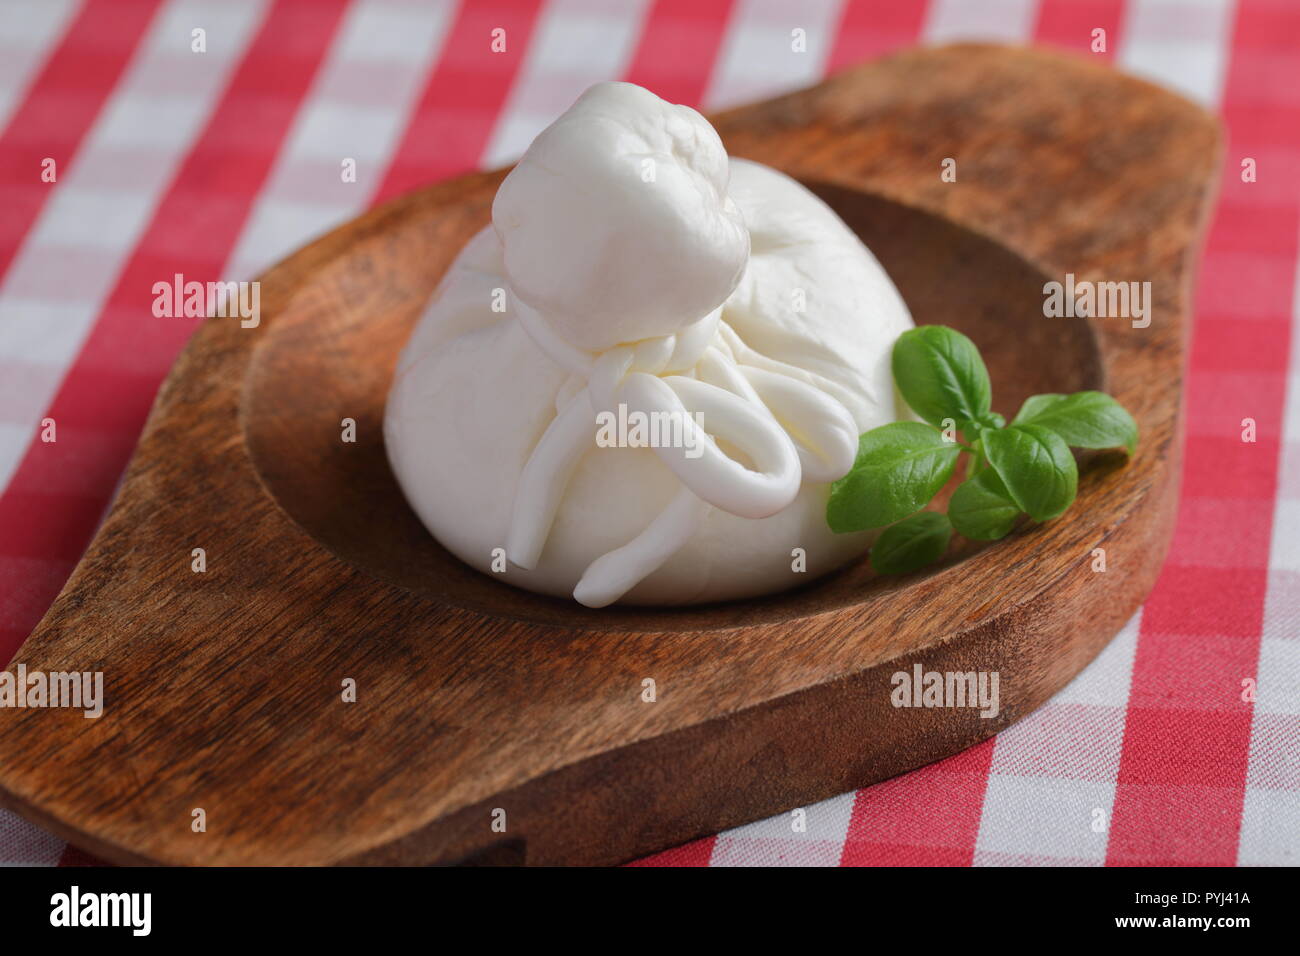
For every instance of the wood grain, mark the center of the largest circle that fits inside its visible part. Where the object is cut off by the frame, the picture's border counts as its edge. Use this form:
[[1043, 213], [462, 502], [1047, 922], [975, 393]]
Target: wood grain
[[224, 688]]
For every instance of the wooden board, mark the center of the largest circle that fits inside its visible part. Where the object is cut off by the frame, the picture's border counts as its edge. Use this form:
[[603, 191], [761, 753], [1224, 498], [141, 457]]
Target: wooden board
[[224, 688]]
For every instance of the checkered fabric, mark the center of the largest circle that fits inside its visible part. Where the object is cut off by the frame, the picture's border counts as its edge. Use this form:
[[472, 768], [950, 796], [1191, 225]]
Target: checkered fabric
[[214, 164]]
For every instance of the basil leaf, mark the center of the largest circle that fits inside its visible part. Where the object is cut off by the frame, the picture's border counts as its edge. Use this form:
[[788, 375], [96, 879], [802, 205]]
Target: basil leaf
[[981, 508], [1035, 405], [1036, 466], [1084, 419], [941, 375], [912, 543], [899, 468]]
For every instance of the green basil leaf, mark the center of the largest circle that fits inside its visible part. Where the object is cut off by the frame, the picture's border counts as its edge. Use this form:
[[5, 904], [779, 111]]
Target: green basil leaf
[[1084, 419], [981, 508], [1036, 466], [912, 543], [899, 468], [1036, 405], [941, 375]]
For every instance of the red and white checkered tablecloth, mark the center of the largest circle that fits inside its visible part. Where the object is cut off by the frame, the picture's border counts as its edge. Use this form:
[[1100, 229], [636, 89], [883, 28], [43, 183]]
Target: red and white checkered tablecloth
[[215, 164]]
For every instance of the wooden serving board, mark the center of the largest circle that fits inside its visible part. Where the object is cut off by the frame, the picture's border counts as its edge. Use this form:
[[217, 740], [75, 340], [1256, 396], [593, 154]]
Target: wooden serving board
[[224, 688]]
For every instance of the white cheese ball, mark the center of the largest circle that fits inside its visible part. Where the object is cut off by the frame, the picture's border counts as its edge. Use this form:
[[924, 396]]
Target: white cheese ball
[[616, 224], [473, 394]]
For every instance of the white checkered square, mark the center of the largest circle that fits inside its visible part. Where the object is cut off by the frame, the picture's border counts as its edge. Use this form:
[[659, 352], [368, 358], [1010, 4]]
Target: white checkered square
[[774, 842], [1179, 44]]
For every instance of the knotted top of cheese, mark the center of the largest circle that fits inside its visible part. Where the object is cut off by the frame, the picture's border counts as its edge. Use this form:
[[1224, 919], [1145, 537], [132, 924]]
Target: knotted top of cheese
[[616, 225]]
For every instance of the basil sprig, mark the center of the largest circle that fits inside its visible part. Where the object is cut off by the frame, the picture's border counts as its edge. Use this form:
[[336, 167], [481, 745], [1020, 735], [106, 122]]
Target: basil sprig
[[899, 468], [941, 375], [912, 543], [981, 508], [1025, 467], [1084, 419]]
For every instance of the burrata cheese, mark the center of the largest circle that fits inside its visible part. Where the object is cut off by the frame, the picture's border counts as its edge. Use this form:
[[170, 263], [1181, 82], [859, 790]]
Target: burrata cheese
[[634, 273]]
